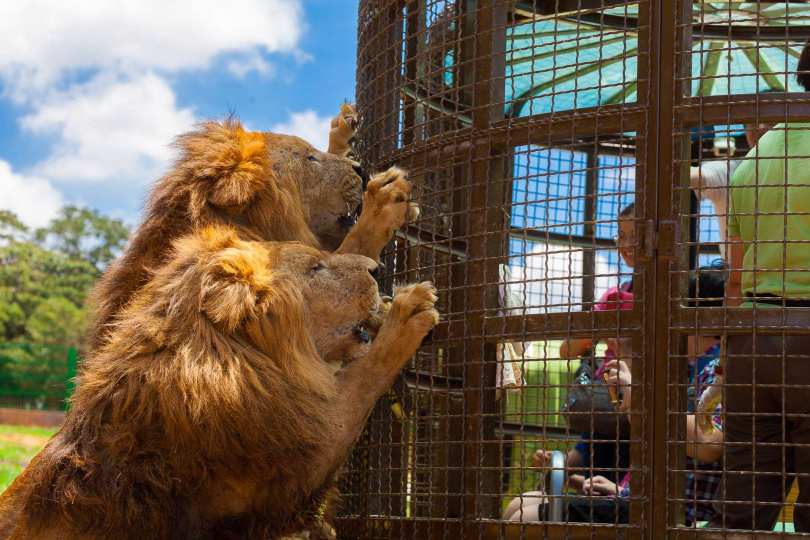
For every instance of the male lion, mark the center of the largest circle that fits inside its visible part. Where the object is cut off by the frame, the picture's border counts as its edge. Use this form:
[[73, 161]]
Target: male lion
[[211, 411], [266, 187]]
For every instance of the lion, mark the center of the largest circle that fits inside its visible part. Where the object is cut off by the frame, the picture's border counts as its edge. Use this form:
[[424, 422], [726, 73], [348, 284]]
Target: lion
[[213, 409], [265, 186]]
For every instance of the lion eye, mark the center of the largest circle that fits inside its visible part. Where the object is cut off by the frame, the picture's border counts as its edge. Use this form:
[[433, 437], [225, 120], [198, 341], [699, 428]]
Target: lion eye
[[313, 158], [318, 267]]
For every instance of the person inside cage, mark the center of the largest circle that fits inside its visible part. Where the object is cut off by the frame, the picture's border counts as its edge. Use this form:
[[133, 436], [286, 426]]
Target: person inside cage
[[599, 453], [605, 501], [617, 297], [711, 178], [767, 376], [703, 451], [704, 461]]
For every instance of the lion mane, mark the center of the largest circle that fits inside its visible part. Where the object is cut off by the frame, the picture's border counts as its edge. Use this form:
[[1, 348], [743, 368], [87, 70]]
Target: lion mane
[[205, 408], [264, 186], [223, 175], [209, 381]]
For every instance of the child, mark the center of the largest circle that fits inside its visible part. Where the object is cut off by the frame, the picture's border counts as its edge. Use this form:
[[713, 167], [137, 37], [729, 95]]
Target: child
[[609, 500], [591, 454]]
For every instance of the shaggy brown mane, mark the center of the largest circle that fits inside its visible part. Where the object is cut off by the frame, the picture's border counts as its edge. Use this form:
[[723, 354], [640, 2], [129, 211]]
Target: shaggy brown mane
[[212, 411], [211, 405], [264, 186], [192, 371], [223, 175]]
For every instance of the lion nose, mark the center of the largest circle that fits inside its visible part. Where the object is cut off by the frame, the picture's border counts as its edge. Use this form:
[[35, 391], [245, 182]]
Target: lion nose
[[377, 271]]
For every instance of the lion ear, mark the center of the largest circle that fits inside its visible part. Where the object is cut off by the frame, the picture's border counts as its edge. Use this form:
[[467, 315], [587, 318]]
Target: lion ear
[[238, 161], [233, 280]]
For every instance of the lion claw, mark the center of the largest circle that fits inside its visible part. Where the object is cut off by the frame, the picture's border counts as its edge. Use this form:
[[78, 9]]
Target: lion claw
[[343, 128], [387, 196]]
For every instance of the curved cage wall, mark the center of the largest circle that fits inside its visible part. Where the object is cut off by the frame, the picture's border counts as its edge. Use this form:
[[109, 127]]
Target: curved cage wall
[[529, 128]]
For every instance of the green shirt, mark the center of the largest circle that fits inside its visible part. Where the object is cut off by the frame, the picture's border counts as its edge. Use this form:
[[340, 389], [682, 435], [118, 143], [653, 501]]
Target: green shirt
[[770, 212]]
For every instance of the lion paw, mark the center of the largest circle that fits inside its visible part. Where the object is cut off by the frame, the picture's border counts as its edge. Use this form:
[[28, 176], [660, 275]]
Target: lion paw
[[385, 209], [343, 129], [378, 319], [386, 198], [413, 308]]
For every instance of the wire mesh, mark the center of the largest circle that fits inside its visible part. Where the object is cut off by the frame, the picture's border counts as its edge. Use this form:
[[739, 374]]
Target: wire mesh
[[572, 162]]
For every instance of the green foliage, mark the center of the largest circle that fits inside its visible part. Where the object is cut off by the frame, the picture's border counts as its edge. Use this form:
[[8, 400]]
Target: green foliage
[[85, 235], [35, 376], [44, 280], [57, 320], [10, 227]]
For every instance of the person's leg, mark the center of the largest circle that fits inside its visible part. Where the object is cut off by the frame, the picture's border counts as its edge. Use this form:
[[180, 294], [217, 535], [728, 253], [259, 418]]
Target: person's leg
[[605, 454], [597, 510], [754, 435], [797, 409], [525, 507]]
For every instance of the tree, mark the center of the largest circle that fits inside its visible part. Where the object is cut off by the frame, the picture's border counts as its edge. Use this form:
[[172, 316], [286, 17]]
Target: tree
[[58, 322], [44, 283], [84, 234], [11, 228]]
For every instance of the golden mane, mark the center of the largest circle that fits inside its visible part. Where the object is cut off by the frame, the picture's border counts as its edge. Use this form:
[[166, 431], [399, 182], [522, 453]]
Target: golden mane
[[219, 170], [208, 371], [211, 410]]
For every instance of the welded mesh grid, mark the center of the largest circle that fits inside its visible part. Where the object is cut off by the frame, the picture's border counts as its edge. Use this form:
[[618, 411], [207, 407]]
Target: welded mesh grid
[[443, 90], [564, 213], [527, 127], [741, 82]]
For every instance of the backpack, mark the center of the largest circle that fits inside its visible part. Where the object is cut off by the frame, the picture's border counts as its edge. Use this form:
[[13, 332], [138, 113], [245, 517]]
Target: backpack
[[588, 407]]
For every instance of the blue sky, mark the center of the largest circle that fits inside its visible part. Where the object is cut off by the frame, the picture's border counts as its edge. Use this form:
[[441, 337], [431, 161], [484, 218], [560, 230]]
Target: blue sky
[[91, 93]]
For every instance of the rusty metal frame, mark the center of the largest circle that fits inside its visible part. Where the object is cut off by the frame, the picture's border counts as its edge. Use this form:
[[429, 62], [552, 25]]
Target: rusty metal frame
[[477, 151]]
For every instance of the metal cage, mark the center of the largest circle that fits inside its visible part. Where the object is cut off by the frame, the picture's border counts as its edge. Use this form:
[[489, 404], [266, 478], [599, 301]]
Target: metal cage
[[527, 126]]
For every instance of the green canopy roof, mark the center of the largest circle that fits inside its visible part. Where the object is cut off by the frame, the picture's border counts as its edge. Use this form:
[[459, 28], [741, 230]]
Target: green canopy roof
[[738, 48]]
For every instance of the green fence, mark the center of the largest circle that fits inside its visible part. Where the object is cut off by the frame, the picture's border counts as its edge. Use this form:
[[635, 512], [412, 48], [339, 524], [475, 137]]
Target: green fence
[[36, 376]]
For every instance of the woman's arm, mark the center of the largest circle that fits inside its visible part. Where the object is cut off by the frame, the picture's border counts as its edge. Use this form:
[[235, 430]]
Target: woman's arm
[[619, 374], [573, 348], [702, 446], [599, 485]]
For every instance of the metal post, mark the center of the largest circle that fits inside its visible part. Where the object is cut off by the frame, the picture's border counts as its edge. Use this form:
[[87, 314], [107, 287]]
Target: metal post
[[556, 503], [70, 377]]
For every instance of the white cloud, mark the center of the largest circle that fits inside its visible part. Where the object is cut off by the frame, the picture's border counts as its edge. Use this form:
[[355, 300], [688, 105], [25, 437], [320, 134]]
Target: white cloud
[[309, 126], [44, 39], [254, 62], [34, 200], [112, 127], [94, 77]]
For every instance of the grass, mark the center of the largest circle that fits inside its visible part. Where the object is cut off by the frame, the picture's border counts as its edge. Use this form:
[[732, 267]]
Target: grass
[[17, 446]]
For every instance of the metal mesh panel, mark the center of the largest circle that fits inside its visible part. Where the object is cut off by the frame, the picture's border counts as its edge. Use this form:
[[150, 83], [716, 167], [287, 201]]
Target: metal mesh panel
[[735, 79], [528, 129]]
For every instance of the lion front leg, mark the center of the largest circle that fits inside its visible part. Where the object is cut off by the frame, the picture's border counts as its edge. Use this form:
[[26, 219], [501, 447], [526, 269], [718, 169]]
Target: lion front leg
[[386, 208], [361, 383]]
